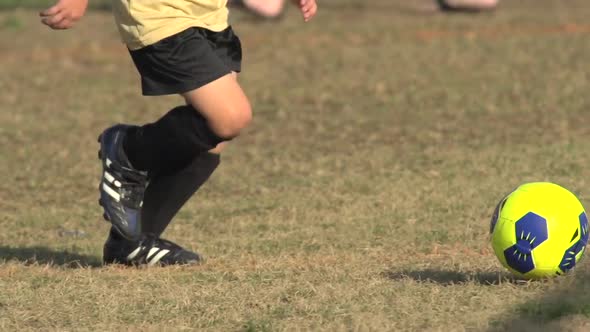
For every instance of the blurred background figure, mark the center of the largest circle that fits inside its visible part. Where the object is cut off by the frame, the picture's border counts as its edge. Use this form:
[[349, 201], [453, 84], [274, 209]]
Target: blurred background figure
[[467, 5], [273, 9], [265, 9]]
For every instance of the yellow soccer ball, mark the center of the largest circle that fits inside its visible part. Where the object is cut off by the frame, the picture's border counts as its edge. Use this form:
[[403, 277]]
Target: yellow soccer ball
[[539, 230]]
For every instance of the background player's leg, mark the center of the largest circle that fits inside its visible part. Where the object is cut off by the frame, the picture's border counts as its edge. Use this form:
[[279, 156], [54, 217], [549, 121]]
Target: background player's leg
[[266, 9], [467, 5]]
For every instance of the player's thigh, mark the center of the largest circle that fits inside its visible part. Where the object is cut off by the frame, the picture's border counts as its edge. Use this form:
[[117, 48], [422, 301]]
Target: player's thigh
[[223, 103], [186, 95]]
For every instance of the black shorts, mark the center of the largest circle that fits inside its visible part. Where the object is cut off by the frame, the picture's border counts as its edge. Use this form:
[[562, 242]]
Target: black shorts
[[187, 60]]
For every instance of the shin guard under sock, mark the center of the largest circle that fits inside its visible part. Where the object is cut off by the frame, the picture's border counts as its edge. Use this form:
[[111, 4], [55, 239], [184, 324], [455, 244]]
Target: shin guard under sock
[[168, 192]]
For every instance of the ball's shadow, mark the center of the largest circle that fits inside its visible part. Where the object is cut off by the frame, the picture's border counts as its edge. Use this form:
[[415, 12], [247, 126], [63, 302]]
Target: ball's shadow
[[448, 278], [46, 256]]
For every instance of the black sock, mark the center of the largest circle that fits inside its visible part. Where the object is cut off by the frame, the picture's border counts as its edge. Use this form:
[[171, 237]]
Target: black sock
[[167, 193], [171, 142]]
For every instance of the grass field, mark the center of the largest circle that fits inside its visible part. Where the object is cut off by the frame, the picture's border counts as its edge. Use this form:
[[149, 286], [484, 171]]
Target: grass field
[[359, 199]]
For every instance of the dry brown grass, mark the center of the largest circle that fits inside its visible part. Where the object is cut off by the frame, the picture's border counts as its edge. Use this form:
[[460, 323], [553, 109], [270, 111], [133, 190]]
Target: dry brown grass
[[359, 200]]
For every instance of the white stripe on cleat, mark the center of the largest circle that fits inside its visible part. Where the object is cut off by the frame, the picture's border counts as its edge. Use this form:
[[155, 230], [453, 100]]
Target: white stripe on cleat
[[111, 192], [159, 256]]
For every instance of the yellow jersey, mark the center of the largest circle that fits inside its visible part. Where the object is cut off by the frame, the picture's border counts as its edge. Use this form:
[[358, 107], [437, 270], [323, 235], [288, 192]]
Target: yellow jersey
[[145, 22]]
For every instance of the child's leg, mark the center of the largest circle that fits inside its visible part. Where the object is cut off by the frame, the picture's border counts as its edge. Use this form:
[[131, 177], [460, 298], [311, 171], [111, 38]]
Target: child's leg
[[163, 149], [200, 65], [217, 107], [167, 193], [173, 150], [227, 111], [224, 105]]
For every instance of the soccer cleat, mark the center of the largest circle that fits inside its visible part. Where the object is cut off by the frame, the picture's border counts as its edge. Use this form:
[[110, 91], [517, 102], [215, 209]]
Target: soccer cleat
[[149, 251], [122, 187]]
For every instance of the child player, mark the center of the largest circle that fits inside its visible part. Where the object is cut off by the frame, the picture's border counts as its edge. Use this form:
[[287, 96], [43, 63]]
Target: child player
[[183, 47]]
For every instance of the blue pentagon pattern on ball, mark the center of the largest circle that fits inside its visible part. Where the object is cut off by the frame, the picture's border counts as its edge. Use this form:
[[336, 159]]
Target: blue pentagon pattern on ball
[[531, 231], [569, 258]]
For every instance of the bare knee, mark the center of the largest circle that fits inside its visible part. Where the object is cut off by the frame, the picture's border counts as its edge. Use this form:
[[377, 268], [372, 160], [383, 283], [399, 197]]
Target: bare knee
[[235, 119], [223, 104]]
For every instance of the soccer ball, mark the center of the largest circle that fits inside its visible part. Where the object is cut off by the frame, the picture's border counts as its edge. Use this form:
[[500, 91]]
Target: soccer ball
[[539, 230]]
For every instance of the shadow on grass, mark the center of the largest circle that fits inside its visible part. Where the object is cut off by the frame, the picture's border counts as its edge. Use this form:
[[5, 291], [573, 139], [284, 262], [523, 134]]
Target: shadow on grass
[[565, 306], [448, 278], [47, 256]]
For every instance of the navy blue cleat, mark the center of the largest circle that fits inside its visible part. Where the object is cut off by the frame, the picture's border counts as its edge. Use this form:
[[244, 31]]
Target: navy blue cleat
[[149, 251], [122, 187]]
